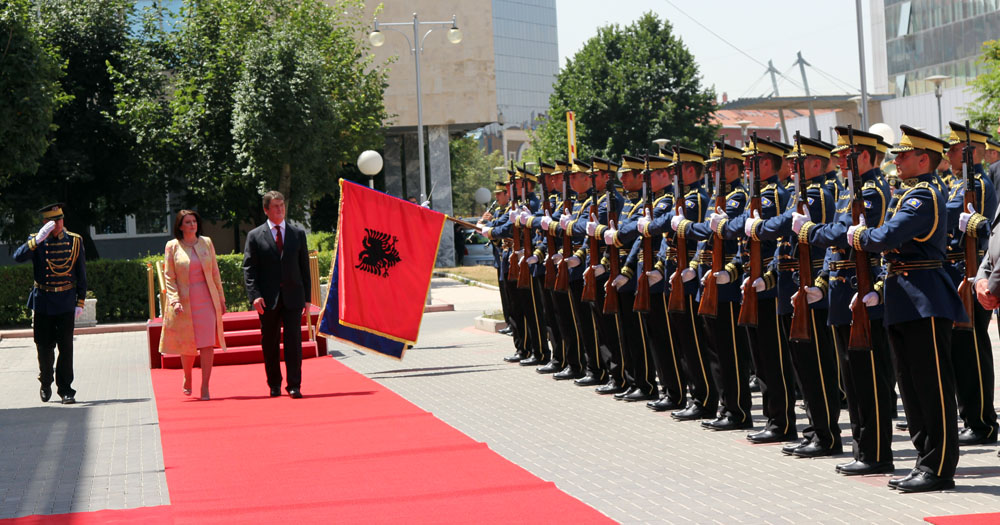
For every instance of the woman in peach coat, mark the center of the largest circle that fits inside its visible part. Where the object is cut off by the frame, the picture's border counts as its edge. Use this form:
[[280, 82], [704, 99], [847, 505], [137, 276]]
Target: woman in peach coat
[[192, 323]]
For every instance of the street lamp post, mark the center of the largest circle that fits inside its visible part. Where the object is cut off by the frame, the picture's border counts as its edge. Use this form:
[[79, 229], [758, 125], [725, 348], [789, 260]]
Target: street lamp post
[[417, 47], [938, 80], [743, 124]]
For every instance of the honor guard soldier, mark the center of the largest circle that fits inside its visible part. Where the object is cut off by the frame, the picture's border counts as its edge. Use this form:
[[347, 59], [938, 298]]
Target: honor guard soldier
[[543, 280], [920, 306], [57, 256], [524, 286], [731, 361], [868, 372], [992, 157], [499, 207], [768, 348], [971, 351], [688, 328]]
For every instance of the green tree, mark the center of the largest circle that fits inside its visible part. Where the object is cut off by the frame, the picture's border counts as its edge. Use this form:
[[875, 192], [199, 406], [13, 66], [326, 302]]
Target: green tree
[[984, 111], [626, 87], [471, 169], [93, 163]]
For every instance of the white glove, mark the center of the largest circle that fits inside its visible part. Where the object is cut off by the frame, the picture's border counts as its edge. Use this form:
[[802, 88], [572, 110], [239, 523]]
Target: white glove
[[546, 222], [564, 221], [609, 236], [750, 225], [525, 215], [78, 312], [557, 258], [853, 228], [591, 226], [44, 231], [573, 261], [599, 270], [426, 204], [675, 221], [532, 260], [643, 222], [654, 276], [619, 281], [715, 218], [758, 284], [963, 218], [721, 277], [813, 294], [512, 215], [687, 274], [870, 299], [799, 220]]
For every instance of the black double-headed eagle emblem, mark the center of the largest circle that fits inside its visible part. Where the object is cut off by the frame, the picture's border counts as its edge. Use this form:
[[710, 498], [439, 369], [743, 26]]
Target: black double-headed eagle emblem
[[380, 253]]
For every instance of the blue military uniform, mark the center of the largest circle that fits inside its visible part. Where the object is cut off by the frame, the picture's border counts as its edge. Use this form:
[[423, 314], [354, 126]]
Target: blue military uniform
[[60, 288]]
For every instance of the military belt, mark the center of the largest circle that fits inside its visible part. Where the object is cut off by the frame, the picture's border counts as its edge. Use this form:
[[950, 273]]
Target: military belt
[[903, 268], [960, 256], [47, 288], [848, 264], [793, 265]]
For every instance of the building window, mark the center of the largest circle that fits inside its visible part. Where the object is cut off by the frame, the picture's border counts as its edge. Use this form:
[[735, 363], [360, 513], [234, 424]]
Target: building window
[[152, 222]]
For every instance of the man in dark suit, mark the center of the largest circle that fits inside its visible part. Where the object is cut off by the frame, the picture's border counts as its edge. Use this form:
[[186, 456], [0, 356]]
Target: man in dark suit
[[276, 275]]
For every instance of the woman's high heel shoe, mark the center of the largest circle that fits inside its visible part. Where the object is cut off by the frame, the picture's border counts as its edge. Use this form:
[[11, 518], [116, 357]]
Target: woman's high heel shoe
[[186, 387]]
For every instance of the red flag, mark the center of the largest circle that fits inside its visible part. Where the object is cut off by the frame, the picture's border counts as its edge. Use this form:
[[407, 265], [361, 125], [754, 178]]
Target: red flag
[[387, 248]]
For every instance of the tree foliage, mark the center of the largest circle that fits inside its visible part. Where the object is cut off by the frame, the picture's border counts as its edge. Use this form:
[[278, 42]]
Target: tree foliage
[[471, 169], [984, 111], [626, 87]]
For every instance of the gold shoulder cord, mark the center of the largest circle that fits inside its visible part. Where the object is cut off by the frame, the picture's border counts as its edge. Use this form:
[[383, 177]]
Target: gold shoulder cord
[[62, 268]]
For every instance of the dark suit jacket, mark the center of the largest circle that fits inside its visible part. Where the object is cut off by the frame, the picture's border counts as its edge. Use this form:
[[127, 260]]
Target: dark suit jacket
[[267, 274]]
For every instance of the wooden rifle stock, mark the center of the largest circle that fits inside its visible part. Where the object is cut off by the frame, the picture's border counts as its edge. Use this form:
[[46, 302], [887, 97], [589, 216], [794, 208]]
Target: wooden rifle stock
[[861, 330], [614, 262], [562, 274], [550, 243], [799, 330], [676, 303], [969, 243], [709, 305], [748, 311], [641, 303], [523, 272], [589, 278]]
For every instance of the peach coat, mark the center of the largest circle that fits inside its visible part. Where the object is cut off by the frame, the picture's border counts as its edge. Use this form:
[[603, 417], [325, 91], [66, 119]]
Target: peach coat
[[177, 336]]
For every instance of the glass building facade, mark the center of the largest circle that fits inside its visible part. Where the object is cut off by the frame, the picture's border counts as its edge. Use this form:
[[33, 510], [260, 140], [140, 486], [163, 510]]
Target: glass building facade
[[936, 37], [527, 58]]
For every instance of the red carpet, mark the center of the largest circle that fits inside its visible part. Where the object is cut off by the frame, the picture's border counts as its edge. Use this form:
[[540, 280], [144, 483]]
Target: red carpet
[[351, 451], [991, 518]]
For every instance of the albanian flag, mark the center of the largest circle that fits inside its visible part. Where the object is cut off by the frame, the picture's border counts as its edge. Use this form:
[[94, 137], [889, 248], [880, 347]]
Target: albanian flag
[[381, 272]]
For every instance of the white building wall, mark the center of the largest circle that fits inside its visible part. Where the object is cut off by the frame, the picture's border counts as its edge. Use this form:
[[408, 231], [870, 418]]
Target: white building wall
[[920, 111]]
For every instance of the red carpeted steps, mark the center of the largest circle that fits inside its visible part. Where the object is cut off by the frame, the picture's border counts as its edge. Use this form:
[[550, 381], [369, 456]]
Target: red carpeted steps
[[242, 333]]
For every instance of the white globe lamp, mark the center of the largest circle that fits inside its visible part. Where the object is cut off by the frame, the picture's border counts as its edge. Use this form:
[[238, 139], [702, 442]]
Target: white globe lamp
[[370, 163]]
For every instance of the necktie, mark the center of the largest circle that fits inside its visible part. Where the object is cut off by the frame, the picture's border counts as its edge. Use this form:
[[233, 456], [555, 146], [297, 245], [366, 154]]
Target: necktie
[[277, 239]]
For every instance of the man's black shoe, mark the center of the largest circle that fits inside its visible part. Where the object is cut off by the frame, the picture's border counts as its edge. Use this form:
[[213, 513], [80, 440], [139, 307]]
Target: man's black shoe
[[567, 373], [925, 482], [611, 387], [621, 395], [514, 358], [692, 412], [902, 425], [754, 384], [971, 436], [771, 436], [724, 423], [664, 404], [294, 393], [894, 482], [860, 468], [815, 450], [550, 368], [530, 361], [45, 393], [588, 380], [68, 400], [505, 331], [275, 392], [638, 395], [790, 448]]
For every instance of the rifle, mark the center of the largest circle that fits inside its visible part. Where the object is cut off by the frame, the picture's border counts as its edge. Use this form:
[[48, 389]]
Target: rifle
[[971, 265], [676, 303], [861, 330], [748, 312], [523, 272], [613, 255], [562, 276], [800, 314], [513, 267], [641, 303], [589, 279], [550, 240], [710, 294]]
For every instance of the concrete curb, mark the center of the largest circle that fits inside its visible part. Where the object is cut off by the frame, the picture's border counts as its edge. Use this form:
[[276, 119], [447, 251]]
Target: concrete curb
[[99, 329], [490, 325], [466, 280]]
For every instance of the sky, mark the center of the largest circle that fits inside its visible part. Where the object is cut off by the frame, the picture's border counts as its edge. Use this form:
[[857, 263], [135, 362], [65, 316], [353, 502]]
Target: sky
[[824, 31]]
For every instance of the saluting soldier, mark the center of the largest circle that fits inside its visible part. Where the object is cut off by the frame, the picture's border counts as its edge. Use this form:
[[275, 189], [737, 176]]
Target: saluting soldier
[[768, 348], [731, 360], [971, 350], [920, 306], [688, 329], [867, 372], [58, 260]]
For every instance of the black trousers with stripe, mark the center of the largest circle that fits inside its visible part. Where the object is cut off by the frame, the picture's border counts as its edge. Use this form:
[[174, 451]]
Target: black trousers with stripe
[[588, 331], [639, 372], [531, 311], [690, 340], [609, 331], [569, 329], [553, 325], [818, 370], [927, 383], [658, 331], [772, 361], [972, 359], [870, 399], [515, 317], [730, 362]]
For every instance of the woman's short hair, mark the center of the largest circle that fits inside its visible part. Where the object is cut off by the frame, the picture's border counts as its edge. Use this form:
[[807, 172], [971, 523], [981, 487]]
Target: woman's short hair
[[178, 234]]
